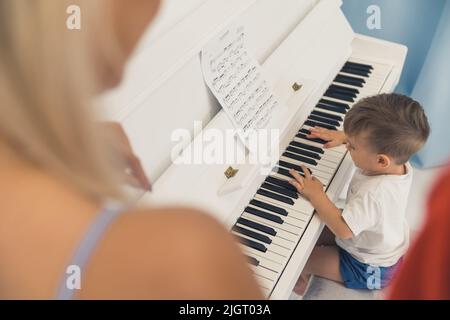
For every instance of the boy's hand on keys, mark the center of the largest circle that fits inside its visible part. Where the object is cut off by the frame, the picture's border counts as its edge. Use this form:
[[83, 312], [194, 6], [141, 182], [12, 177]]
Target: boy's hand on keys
[[334, 138], [308, 186]]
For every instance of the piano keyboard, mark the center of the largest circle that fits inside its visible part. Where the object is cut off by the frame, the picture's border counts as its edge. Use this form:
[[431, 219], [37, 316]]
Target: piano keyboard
[[274, 221]]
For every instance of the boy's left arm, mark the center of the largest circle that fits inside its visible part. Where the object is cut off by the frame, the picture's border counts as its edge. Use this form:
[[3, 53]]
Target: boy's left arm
[[312, 188]]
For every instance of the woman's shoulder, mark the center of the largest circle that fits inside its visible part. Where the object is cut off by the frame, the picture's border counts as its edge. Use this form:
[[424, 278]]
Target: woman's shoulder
[[167, 253], [172, 223]]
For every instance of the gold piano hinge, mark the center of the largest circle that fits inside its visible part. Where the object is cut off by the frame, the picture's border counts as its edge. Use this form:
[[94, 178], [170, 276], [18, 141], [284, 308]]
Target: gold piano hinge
[[231, 172], [296, 86]]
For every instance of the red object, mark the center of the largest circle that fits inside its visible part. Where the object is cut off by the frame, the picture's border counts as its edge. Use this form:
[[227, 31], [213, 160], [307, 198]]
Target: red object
[[425, 273]]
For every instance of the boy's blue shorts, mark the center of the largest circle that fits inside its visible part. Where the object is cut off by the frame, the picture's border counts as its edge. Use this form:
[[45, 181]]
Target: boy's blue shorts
[[358, 275]]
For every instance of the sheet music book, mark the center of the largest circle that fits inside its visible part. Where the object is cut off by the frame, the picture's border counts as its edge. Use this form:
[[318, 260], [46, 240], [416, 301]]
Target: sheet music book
[[238, 82]]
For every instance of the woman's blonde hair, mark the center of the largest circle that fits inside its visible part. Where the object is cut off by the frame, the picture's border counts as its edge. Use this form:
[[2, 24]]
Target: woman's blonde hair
[[47, 81]]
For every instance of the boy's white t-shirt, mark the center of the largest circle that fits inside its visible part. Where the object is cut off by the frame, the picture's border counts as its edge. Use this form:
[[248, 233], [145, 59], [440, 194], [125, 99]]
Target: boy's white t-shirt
[[375, 212]]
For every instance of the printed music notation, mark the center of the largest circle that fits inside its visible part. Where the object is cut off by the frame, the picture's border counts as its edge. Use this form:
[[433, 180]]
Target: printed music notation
[[237, 81]]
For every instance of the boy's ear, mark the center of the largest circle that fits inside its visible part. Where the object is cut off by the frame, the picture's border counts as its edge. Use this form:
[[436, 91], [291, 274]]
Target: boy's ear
[[383, 160]]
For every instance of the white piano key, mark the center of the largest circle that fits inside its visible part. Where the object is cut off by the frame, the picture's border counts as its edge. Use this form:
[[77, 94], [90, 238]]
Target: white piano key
[[330, 157], [292, 218], [264, 261], [330, 112], [349, 103], [283, 243], [262, 279], [322, 176], [276, 253], [320, 170], [271, 255], [267, 259], [286, 227], [275, 239], [300, 210], [280, 233], [364, 91], [337, 150], [330, 163], [297, 214]]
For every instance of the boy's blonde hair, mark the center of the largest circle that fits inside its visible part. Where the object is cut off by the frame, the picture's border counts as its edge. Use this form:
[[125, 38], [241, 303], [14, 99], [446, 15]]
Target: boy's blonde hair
[[47, 80], [394, 125]]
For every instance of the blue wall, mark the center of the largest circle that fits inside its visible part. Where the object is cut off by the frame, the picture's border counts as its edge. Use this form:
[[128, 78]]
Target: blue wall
[[424, 27], [409, 22], [432, 90]]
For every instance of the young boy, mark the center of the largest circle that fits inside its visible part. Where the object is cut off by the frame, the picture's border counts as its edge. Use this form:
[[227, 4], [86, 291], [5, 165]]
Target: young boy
[[363, 244]]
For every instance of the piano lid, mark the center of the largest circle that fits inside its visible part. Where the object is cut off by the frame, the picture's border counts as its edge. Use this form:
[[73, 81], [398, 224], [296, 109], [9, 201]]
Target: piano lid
[[312, 54]]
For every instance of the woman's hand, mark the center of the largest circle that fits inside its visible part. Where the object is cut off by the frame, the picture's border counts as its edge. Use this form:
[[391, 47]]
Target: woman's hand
[[135, 173], [334, 138]]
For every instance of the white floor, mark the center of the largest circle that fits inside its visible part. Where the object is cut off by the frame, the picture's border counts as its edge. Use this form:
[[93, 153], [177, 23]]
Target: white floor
[[322, 289]]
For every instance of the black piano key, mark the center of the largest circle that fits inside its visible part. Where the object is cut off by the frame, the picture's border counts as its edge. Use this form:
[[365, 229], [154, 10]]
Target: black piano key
[[342, 92], [297, 168], [316, 140], [356, 69], [307, 147], [300, 158], [281, 183], [257, 226], [252, 244], [285, 172], [305, 131], [252, 261], [252, 234], [331, 108], [367, 71], [280, 190], [343, 89], [264, 215], [355, 72], [335, 104], [275, 196], [327, 115], [324, 120], [288, 165], [339, 96], [319, 124], [344, 95], [350, 78], [352, 81], [358, 65], [304, 153], [269, 207]]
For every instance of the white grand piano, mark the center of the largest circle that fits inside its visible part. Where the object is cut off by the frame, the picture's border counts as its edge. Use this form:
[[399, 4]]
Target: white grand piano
[[308, 42]]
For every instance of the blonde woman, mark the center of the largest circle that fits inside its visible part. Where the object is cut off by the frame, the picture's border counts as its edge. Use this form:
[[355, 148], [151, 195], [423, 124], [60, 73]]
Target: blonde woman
[[58, 175]]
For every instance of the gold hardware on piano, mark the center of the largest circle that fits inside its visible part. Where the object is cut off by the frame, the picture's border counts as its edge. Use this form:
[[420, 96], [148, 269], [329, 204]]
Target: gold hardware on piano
[[297, 87], [231, 172]]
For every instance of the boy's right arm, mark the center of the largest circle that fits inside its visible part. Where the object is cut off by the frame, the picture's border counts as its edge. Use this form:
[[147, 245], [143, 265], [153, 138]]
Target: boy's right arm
[[334, 138]]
